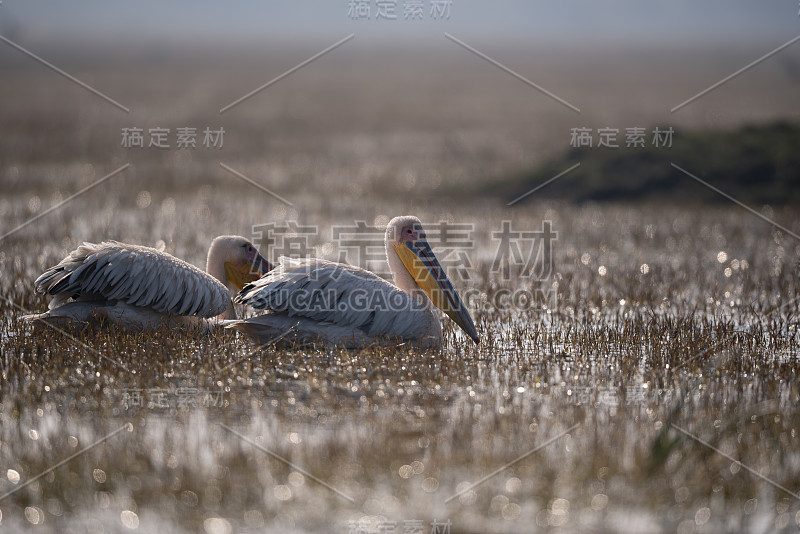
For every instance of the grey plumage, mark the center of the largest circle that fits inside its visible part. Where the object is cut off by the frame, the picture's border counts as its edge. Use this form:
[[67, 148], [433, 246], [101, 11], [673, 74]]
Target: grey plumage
[[136, 276], [329, 293]]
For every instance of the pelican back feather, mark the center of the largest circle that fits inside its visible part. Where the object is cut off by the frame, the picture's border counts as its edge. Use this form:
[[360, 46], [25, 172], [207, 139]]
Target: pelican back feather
[[340, 294], [134, 275]]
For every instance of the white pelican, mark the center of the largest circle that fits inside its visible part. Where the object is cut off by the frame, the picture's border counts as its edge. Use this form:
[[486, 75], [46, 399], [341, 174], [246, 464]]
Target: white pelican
[[144, 288], [314, 301]]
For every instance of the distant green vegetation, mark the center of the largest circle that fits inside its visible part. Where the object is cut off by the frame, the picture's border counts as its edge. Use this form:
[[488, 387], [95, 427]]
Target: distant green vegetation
[[754, 164]]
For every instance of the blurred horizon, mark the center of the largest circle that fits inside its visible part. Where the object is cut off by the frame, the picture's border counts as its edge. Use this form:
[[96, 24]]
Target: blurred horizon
[[399, 111]]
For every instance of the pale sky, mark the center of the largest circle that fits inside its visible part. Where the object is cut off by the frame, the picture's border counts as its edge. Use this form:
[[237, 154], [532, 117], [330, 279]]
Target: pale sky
[[582, 22]]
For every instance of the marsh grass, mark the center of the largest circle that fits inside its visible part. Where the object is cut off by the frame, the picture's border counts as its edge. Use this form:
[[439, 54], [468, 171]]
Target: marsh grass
[[630, 358], [667, 318]]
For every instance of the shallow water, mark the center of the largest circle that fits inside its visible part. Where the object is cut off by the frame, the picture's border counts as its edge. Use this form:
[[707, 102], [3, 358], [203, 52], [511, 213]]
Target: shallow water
[[612, 374], [643, 322]]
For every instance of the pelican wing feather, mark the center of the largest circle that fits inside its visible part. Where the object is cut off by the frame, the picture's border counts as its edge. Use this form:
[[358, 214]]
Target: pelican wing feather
[[333, 293], [136, 275]]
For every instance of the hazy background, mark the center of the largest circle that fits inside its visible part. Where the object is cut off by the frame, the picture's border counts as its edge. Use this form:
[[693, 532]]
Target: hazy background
[[399, 112]]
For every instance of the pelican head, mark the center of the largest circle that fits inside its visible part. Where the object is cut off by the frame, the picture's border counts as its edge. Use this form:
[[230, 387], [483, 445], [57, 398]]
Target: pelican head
[[234, 259], [414, 265]]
